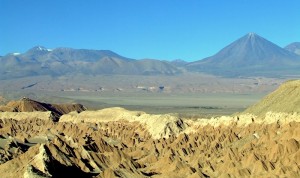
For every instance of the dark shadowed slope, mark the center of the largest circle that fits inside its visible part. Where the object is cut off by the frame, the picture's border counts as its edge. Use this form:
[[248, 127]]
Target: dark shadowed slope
[[249, 55]]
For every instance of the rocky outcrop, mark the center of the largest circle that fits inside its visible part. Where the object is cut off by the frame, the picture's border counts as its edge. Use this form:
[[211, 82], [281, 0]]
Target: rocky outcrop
[[29, 105], [158, 125], [119, 143]]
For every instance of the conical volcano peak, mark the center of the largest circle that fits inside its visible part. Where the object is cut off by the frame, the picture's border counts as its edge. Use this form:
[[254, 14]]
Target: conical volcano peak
[[252, 53], [252, 34]]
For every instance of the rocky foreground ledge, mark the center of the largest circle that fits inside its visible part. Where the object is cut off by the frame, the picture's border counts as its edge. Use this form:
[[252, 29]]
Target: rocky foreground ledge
[[115, 142]]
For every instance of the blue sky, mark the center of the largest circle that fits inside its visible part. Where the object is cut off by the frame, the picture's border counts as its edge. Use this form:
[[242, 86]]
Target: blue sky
[[158, 29]]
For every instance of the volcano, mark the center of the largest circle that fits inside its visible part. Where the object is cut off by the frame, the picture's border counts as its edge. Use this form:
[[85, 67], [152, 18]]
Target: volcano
[[249, 55]]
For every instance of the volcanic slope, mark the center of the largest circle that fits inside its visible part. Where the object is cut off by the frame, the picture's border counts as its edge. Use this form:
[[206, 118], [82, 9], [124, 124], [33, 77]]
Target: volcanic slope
[[115, 142], [251, 55]]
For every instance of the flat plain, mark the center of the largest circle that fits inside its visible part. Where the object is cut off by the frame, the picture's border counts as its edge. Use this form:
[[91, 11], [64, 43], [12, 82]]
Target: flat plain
[[160, 103], [189, 94]]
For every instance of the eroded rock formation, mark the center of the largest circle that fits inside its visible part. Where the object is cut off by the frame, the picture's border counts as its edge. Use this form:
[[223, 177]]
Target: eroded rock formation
[[241, 146], [115, 142]]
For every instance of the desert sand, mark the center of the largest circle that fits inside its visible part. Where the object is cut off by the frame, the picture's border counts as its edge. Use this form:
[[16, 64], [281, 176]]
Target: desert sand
[[114, 142]]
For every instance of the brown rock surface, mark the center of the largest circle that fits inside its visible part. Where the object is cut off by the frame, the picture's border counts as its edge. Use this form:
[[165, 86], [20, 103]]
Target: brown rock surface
[[115, 142], [127, 148], [29, 105]]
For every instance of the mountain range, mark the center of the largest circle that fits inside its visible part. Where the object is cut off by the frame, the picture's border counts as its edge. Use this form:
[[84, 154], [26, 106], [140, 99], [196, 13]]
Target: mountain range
[[251, 55], [63, 61]]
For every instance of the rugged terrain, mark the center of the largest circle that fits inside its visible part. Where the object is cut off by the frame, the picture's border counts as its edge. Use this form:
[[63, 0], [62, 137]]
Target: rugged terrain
[[115, 142]]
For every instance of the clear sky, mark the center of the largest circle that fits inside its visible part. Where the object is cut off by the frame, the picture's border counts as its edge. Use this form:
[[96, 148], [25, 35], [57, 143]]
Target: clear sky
[[158, 29]]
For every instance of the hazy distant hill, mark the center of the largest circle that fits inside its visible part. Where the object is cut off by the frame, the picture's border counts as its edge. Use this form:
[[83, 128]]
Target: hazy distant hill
[[249, 55], [61, 61], [179, 62], [293, 47], [285, 99]]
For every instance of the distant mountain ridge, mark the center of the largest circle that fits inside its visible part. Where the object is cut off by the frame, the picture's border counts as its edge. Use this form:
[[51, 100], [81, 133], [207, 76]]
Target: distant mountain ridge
[[179, 62], [69, 54], [293, 47], [61, 61], [249, 55]]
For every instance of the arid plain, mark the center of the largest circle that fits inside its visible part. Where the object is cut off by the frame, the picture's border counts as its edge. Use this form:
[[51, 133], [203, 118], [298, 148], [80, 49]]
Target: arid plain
[[188, 93]]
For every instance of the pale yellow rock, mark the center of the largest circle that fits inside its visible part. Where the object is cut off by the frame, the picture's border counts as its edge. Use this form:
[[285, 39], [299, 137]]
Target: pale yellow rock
[[158, 125], [26, 115]]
